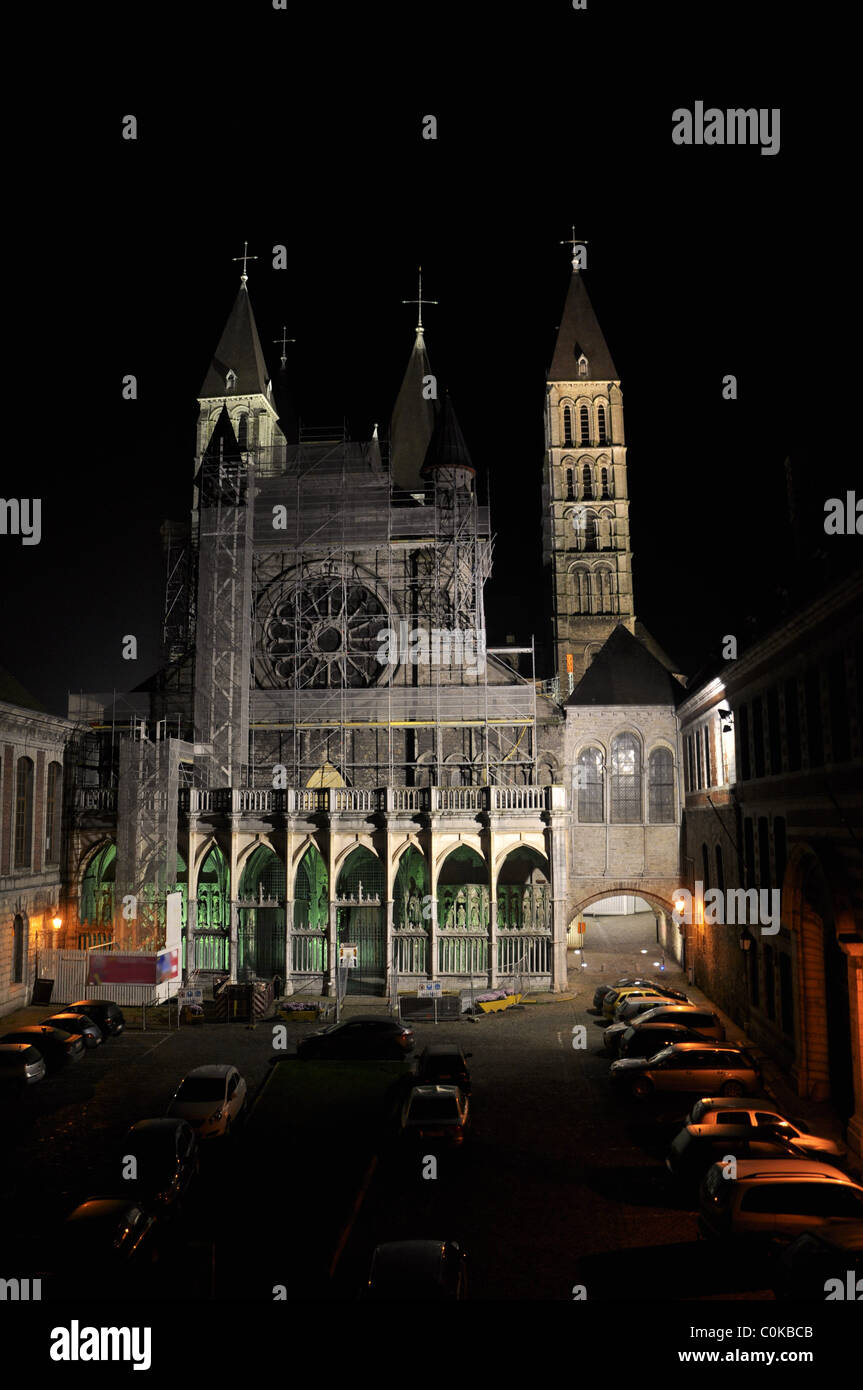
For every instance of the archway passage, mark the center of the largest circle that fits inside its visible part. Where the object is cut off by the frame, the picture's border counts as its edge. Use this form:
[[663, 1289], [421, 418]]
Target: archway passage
[[411, 914], [212, 917], [261, 929], [96, 902], [463, 913], [361, 922], [630, 922]]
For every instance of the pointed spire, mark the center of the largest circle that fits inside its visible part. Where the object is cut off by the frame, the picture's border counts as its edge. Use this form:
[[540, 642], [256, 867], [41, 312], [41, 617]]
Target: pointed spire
[[238, 367], [447, 448], [413, 414], [580, 334]]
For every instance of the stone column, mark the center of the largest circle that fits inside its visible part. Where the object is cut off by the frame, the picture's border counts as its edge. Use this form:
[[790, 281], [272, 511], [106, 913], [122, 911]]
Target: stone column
[[854, 952], [556, 837], [233, 894]]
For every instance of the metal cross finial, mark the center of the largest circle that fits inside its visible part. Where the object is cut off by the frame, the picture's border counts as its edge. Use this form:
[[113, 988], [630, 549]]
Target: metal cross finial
[[420, 301], [283, 340], [245, 257], [574, 241]]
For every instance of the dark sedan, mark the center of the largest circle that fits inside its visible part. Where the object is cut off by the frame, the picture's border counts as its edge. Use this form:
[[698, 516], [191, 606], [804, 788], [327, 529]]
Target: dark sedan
[[444, 1064], [158, 1162], [105, 1012], [646, 1042], [369, 1037], [77, 1023], [117, 1240], [56, 1045]]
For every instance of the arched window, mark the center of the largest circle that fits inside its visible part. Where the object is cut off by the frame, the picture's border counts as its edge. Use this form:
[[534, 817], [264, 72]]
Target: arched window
[[24, 814], [602, 431], [589, 786], [17, 950], [589, 532], [604, 480], [570, 495], [584, 425], [587, 483], [625, 780], [567, 425], [243, 430], [583, 590], [604, 532], [52, 813], [605, 601], [582, 365], [660, 786]]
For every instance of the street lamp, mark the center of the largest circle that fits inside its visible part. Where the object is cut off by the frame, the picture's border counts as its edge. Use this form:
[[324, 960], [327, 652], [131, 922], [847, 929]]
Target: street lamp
[[56, 923]]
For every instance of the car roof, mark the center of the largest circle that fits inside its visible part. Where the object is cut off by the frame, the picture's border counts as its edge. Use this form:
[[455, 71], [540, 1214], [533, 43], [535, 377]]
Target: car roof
[[680, 1009], [434, 1091], [211, 1069], [421, 1255], [17, 1048], [96, 1207], [442, 1050], [740, 1103], [163, 1123], [40, 1029], [754, 1169], [720, 1132]]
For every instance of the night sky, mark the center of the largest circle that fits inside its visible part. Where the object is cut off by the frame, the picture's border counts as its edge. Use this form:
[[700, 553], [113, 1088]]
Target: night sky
[[701, 262]]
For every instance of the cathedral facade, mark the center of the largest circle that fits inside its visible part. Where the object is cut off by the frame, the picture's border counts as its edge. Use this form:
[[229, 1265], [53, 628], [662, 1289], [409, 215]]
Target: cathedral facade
[[332, 755]]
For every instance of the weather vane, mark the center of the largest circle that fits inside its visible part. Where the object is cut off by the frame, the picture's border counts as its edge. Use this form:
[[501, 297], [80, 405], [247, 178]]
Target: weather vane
[[420, 301]]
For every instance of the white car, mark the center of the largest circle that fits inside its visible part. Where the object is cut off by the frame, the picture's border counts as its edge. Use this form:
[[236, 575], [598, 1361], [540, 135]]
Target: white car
[[211, 1098], [767, 1119]]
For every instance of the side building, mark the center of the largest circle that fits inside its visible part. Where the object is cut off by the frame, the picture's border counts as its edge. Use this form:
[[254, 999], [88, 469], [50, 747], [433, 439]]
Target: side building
[[773, 758]]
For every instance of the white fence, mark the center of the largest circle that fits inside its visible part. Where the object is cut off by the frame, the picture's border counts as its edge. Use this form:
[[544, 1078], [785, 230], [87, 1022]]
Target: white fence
[[68, 970]]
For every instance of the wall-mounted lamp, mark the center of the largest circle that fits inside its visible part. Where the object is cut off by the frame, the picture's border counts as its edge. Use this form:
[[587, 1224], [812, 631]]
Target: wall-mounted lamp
[[745, 940], [56, 923]]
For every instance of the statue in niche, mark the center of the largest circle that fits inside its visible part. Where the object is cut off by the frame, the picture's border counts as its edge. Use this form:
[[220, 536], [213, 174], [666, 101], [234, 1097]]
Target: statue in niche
[[323, 908], [413, 913], [460, 913], [448, 911]]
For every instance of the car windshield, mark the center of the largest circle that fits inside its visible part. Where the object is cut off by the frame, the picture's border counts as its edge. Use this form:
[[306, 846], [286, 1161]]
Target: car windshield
[[439, 1110], [201, 1088]]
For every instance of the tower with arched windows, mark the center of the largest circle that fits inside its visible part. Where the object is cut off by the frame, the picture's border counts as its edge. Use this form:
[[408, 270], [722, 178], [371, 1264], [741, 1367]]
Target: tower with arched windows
[[586, 502]]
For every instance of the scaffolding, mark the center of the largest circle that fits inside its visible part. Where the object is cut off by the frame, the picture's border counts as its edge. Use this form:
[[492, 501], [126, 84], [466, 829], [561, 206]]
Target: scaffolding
[[345, 570]]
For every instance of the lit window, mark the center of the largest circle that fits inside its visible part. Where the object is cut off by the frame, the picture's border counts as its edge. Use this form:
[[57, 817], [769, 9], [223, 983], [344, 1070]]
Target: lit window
[[589, 782], [660, 783], [625, 780]]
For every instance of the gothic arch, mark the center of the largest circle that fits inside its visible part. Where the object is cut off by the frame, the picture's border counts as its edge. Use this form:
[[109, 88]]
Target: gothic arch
[[361, 842], [471, 842]]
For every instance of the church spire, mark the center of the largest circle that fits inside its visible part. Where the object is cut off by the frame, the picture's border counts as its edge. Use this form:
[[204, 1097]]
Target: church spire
[[414, 412], [238, 367], [581, 349]]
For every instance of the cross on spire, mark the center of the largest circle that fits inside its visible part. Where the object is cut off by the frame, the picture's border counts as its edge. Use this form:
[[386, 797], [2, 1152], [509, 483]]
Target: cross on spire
[[245, 257], [420, 301], [574, 241], [283, 340]]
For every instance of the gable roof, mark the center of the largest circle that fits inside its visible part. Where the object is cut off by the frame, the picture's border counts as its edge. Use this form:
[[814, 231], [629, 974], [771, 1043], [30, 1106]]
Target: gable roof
[[624, 672], [580, 332]]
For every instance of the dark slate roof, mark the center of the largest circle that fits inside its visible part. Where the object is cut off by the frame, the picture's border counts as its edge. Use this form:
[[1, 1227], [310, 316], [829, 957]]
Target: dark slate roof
[[240, 348], [412, 423], [580, 332], [653, 646], [624, 672], [12, 692], [447, 448]]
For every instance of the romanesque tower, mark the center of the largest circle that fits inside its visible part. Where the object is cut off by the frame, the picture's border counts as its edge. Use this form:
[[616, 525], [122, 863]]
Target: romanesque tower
[[586, 544]]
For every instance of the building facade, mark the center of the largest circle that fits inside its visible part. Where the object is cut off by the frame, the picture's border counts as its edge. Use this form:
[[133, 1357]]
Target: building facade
[[32, 819], [773, 758]]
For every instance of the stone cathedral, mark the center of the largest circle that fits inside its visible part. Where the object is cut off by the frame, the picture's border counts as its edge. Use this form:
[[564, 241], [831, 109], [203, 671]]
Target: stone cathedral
[[331, 754]]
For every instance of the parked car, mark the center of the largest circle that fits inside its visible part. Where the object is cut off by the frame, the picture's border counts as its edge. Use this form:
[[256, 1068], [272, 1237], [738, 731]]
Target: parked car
[[105, 1012], [809, 1266], [602, 990], [114, 1239], [166, 1153], [631, 1008], [418, 1271], [56, 1045], [617, 996], [77, 1023], [697, 1147], [436, 1112], [613, 1035], [763, 1114], [21, 1065], [212, 1098], [775, 1199], [692, 1066], [367, 1037], [696, 1016], [646, 1042], [702, 1020], [444, 1064]]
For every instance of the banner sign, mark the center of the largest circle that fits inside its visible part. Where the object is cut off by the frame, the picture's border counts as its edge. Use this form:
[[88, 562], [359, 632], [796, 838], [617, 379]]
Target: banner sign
[[108, 969], [168, 965]]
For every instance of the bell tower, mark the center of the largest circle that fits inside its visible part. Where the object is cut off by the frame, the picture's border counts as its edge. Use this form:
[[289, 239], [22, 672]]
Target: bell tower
[[586, 547]]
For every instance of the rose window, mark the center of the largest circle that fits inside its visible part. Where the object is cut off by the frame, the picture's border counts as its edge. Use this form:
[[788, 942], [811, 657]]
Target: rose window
[[324, 633]]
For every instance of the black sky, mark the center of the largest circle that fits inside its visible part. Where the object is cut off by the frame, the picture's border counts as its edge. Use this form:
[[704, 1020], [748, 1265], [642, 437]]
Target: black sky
[[701, 262]]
